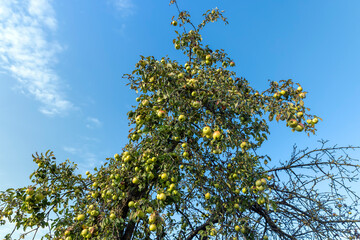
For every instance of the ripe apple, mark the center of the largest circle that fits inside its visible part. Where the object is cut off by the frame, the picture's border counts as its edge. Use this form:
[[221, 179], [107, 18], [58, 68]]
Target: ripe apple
[[196, 104], [283, 92], [161, 196], [217, 135], [145, 102], [134, 137], [258, 183], [244, 190], [131, 204], [84, 232], [243, 145], [182, 118], [208, 57], [263, 181], [299, 127], [174, 23], [232, 64], [81, 217], [207, 196], [161, 113], [112, 216], [186, 154], [164, 176], [135, 180], [299, 89], [292, 123], [152, 227], [30, 191], [207, 130], [315, 120], [184, 145], [300, 114]]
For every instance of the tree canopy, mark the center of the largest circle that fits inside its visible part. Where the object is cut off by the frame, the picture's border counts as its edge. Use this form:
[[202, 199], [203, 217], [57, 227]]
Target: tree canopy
[[191, 169]]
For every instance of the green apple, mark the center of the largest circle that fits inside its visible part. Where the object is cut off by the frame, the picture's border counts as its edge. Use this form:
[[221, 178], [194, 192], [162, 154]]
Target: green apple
[[292, 123], [207, 130], [314, 120], [112, 216], [186, 154], [182, 118], [300, 114], [237, 228], [149, 210], [39, 197], [177, 46], [174, 23], [131, 204]]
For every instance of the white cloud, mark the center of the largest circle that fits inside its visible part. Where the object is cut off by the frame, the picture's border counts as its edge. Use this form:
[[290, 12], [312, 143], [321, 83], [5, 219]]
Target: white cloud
[[28, 52], [89, 160], [125, 7], [71, 150], [93, 122]]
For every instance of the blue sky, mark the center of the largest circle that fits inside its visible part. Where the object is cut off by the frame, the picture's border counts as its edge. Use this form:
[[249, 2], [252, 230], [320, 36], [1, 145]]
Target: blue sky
[[61, 64]]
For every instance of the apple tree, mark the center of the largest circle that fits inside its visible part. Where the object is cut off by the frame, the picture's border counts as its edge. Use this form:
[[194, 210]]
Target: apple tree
[[191, 169]]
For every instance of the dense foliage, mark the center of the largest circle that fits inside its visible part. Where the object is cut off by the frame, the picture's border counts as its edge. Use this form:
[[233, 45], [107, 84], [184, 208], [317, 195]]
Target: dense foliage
[[191, 168]]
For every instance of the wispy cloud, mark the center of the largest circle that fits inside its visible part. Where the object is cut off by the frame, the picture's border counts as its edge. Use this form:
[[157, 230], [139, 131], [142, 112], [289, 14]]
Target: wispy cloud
[[28, 52], [71, 150], [93, 122], [125, 7], [89, 159]]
